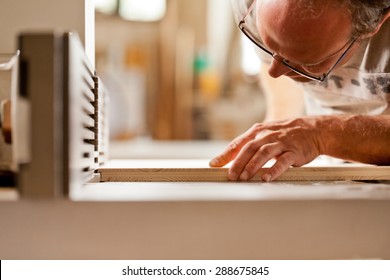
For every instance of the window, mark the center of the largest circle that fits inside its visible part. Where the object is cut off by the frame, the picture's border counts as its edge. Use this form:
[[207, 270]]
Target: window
[[106, 6], [134, 10], [250, 61], [146, 10]]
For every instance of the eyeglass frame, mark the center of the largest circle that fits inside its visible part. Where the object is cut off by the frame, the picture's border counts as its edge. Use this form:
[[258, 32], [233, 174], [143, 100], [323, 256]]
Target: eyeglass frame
[[241, 26]]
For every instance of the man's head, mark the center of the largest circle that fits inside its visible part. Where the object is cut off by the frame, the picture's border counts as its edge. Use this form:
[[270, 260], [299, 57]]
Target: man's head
[[313, 34]]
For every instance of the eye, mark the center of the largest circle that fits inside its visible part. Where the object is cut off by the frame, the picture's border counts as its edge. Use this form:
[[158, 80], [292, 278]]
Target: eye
[[312, 67]]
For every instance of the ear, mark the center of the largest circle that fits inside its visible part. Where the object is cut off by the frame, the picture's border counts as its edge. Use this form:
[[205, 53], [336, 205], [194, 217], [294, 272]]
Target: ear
[[385, 17]]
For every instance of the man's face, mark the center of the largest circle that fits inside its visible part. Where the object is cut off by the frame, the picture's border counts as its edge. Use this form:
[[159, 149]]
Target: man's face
[[311, 41]]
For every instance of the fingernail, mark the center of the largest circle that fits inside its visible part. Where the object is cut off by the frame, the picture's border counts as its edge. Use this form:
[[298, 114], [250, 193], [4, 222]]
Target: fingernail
[[266, 177], [213, 162], [244, 176]]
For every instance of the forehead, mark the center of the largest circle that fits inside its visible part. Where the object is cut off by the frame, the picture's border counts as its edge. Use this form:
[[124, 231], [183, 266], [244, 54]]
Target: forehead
[[303, 25]]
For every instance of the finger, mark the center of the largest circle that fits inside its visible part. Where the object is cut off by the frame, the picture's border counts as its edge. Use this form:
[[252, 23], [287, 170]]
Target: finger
[[231, 151], [263, 155], [283, 163], [227, 156], [243, 158]]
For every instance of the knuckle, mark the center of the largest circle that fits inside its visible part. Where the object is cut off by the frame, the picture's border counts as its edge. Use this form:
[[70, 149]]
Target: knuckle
[[282, 164], [266, 151], [256, 126], [277, 170], [285, 160], [275, 136], [251, 167], [232, 146], [251, 147], [296, 122]]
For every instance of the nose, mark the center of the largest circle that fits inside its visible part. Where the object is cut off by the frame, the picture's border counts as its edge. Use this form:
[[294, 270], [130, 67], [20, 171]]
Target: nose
[[277, 69]]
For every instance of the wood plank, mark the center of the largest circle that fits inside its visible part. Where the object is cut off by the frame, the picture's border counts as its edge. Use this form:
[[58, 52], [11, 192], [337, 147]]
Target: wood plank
[[336, 173]]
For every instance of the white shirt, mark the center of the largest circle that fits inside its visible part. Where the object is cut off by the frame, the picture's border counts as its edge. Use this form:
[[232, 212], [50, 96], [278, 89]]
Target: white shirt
[[361, 86]]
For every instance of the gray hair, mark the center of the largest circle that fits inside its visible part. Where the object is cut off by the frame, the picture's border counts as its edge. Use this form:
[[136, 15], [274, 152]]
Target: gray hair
[[367, 15]]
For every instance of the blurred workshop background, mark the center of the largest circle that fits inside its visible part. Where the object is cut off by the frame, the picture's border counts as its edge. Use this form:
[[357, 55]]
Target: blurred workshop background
[[176, 70]]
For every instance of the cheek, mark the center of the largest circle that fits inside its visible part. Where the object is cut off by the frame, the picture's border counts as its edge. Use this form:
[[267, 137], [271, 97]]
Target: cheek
[[327, 65], [343, 61], [318, 69]]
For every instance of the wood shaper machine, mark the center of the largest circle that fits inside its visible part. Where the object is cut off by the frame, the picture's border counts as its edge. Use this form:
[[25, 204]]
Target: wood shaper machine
[[53, 113]]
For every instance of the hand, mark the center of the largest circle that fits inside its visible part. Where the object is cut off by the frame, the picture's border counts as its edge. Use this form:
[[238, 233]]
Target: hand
[[290, 143]]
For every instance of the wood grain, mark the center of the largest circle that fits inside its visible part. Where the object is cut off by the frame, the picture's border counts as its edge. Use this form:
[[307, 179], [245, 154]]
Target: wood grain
[[356, 173]]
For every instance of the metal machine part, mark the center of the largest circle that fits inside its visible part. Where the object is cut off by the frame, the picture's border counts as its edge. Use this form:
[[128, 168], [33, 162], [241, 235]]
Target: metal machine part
[[63, 129]]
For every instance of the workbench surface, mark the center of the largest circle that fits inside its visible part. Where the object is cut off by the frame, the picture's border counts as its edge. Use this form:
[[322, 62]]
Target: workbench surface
[[195, 220]]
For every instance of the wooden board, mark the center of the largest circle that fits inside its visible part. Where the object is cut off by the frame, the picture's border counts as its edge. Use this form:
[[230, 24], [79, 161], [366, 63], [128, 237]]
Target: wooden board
[[167, 173]]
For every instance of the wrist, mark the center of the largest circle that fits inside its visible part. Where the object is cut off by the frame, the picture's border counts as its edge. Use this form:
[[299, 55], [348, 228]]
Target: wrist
[[330, 134]]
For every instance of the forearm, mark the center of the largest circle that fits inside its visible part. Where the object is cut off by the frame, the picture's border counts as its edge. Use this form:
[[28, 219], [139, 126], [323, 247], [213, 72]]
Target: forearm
[[298, 141], [357, 138]]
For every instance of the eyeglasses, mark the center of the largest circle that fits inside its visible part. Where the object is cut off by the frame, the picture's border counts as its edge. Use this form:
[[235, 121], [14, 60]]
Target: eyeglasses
[[247, 25]]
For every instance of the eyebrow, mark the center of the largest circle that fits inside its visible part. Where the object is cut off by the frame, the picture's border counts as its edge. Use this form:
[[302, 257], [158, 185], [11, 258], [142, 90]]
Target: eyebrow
[[332, 55], [308, 63]]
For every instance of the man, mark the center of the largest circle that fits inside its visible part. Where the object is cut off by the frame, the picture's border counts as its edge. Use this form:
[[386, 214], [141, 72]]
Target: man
[[339, 51]]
